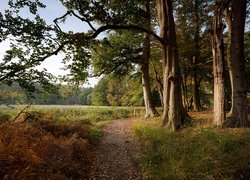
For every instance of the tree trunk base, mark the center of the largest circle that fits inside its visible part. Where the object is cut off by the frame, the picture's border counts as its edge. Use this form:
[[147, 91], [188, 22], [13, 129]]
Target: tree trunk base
[[232, 123]]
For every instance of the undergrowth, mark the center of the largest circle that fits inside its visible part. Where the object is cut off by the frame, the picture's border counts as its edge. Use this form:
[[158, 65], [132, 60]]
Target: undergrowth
[[51, 142], [43, 149], [194, 152]]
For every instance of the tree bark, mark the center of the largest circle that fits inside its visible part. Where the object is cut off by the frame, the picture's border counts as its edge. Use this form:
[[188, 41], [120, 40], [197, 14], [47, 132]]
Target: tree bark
[[236, 25], [174, 113], [148, 100], [228, 18], [218, 67]]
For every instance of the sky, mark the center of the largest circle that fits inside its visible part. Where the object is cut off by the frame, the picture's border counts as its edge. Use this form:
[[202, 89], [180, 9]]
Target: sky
[[53, 10]]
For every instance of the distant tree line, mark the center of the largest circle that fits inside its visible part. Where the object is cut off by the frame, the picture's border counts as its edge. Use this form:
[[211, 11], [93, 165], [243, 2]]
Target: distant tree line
[[110, 91], [63, 95]]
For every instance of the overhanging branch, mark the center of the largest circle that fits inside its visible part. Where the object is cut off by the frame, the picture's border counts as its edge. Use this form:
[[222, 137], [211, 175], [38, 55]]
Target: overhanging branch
[[26, 66], [125, 27]]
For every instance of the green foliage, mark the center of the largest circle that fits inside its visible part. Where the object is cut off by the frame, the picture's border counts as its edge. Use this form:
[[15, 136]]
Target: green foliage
[[94, 135], [65, 94], [117, 54], [31, 43], [34, 41], [100, 92], [193, 39], [193, 153], [117, 91]]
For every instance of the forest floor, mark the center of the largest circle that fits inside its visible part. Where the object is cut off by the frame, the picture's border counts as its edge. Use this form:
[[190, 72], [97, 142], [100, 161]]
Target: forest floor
[[116, 156]]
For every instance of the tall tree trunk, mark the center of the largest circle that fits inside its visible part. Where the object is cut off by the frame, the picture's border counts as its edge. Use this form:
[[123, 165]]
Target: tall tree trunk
[[148, 100], [195, 89], [228, 16], [218, 67], [236, 22], [174, 113]]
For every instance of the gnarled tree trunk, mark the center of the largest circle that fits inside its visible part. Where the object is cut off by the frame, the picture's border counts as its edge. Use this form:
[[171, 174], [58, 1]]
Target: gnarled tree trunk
[[174, 113]]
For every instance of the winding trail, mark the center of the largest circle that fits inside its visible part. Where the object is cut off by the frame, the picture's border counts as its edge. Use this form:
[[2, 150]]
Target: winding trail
[[116, 157]]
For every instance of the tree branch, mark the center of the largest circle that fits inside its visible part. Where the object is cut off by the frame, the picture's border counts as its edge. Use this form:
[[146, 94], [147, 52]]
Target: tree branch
[[22, 111], [84, 20], [125, 27], [59, 18], [23, 67], [108, 71]]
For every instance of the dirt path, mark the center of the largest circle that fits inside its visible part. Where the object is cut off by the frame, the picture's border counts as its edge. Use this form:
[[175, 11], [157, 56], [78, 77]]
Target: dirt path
[[116, 157]]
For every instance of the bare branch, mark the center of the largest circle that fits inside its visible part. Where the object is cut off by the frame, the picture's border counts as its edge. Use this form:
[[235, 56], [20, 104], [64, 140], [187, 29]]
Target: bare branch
[[59, 18], [85, 19], [22, 111]]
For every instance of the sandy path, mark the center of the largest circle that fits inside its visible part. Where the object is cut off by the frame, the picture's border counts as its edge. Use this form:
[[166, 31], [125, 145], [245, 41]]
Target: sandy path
[[116, 157]]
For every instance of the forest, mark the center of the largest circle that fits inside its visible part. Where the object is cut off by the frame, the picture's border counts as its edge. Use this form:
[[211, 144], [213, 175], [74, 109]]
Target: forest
[[173, 93]]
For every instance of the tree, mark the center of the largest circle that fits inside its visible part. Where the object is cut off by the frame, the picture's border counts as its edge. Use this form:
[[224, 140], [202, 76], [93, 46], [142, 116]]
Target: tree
[[189, 25], [236, 16], [174, 114], [148, 100], [218, 64], [29, 46], [118, 91], [100, 93], [114, 15], [122, 58]]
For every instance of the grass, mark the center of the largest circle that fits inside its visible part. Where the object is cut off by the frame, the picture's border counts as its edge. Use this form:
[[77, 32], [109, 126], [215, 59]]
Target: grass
[[82, 114], [194, 152]]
